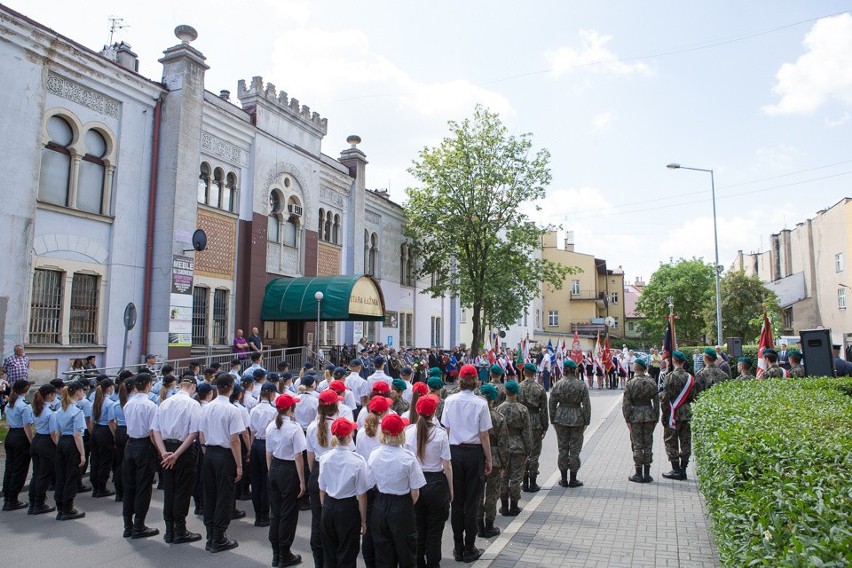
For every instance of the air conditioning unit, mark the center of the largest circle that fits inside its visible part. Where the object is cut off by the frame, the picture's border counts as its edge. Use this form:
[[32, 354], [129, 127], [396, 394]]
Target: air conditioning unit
[[295, 210]]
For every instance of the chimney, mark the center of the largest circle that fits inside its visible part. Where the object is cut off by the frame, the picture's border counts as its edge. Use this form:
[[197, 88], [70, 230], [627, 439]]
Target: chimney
[[569, 241], [125, 57], [225, 94]]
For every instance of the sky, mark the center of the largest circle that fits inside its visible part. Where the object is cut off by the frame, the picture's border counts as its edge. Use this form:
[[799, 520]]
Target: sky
[[760, 92]]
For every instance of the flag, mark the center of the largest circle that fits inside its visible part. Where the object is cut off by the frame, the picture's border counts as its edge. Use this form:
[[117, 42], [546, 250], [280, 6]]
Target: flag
[[576, 349], [519, 359], [598, 355], [607, 355], [766, 342], [669, 342], [550, 353]]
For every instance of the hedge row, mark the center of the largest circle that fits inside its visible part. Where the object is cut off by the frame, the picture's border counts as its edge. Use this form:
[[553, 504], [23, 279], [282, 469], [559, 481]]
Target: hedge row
[[774, 462]]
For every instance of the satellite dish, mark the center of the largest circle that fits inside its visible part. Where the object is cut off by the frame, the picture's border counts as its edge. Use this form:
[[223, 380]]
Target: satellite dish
[[502, 334], [609, 321], [199, 240]]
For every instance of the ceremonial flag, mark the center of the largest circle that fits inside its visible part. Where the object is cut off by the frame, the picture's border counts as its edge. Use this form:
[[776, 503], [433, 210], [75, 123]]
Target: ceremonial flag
[[669, 342], [550, 353], [519, 358], [599, 355], [766, 342], [607, 355], [576, 349]]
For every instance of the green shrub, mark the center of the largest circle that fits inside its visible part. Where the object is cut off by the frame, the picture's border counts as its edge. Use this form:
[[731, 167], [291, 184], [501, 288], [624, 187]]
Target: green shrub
[[774, 462]]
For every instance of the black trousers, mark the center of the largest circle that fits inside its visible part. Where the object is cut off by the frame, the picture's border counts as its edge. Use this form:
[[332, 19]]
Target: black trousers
[[368, 548], [220, 471], [17, 448], [120, 440], [138, 471], [43, 453], [67, 473], [316, 516], [87, 449], [341, 529], [259, 474], [178, 483], [284, 507], [468, 480], [394, 531], [431, 512], [198, 492], [243, 489], [103, 454]]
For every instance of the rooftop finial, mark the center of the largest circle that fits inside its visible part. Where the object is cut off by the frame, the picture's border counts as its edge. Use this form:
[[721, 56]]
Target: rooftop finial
[[186, 34], [353, 139]]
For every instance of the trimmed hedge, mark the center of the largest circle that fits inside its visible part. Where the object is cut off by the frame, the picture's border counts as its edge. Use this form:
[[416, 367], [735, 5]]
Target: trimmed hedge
[[774, 461]]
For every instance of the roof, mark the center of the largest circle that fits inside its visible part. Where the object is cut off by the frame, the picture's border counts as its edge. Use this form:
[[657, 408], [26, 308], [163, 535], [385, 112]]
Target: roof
[[631, 297]]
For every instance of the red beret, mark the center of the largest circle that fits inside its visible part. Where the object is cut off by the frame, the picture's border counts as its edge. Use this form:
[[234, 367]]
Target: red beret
[[342, 427], [379, 404], [468, 372], [427, 405], [285, 401], [420, 388], [381, 387], [337, 386], [392, 425], [329, 397]]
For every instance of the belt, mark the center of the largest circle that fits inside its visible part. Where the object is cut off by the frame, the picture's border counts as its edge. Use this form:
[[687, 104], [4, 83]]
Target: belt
[[215, 447], [173, 441], [15, 428], [570, 405], [256, 439], [342, 499], [47, 434], [468, 446], [433, 474]]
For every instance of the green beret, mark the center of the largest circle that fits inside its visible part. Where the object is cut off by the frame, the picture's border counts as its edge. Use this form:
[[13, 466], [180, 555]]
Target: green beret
[[770, 352], [569, 364], [679, 356], [710, 352], [435, 383], [512, 387], [496, 370], [435, 372], [794, 353], [530, 367], [745, 360], [488, 391], [642, 362], [399, 384]]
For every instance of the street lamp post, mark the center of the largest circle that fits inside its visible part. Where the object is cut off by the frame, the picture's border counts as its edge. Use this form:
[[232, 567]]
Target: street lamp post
[[318, 296], [716, 268]]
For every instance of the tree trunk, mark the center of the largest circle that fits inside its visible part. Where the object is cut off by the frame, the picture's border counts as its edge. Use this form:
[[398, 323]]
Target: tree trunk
[[476, 342]]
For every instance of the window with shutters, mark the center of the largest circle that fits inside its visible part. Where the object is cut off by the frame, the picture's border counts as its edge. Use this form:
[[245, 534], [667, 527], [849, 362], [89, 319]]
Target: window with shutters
[[46, 307], [199, 315], [84, 310], [220, 317]]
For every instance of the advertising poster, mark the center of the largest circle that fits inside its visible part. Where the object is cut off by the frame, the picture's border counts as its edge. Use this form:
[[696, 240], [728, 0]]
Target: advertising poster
[[180, 304]]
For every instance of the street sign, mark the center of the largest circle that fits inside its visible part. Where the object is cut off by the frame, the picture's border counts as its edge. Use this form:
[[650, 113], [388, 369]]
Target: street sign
[[130, 316], [390, 340]]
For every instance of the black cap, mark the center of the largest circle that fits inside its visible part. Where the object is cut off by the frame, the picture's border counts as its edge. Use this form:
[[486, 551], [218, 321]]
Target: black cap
[[204, 388], [258, 374], [309, 380], [355, 363]]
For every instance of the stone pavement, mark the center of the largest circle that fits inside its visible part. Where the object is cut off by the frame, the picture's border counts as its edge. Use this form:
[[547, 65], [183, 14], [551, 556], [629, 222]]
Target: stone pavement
[[610, 522]]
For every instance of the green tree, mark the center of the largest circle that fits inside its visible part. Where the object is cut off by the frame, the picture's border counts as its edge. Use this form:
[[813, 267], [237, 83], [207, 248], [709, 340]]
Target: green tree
[[467, 224], [744, 299], [690, 284]]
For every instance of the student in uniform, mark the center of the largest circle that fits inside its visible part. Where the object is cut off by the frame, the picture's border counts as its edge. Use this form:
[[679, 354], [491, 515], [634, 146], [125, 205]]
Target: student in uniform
[[431, 447], [242, 491], [19, 417], [259, 418], [42, 450], [203, 395], [344, 480], [103, 438], [175, 429], [398, 487], [285, 443], [126, 387], [86, 406], [68, 423], [220, 429], [366, 441], [418, 389], [140, 459]]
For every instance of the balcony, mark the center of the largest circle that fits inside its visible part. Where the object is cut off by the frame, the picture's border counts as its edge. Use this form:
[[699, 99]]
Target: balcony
[[586, 295], [593, 329]]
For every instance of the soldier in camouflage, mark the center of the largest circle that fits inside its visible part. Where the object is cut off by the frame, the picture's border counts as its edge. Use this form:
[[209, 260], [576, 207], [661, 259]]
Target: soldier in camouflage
[[745, 367], [641, 409], [678, 393], [710, 375], [797, 371], [773, 370], [400, 406], [436, 387], [496, 379], [570, 413], [499, 436], [533, 396], [517, 419]]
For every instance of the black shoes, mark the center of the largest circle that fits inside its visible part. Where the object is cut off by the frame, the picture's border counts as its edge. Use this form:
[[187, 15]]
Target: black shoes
[[514, 510], [637, 477], [533, 486], [489, 530], [70, 515], [292, 560], [574, 482], [471, 554], [143, 532], [647, 474], [261, 522], [41, 509], [237, 514], [504, 506], [14, 505], [676, 472], [98, 493]]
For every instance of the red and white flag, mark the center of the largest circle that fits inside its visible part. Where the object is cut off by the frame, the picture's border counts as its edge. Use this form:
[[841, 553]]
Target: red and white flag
[[766, 342], [576, 349], [598, 355]]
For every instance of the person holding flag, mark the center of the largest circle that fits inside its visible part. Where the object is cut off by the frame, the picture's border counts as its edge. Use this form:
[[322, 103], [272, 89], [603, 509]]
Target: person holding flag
[[765, 342], [599, 365], [675, 401]]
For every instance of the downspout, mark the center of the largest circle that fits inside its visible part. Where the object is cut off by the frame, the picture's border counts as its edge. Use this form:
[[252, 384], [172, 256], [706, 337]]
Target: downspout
[[149, 237]]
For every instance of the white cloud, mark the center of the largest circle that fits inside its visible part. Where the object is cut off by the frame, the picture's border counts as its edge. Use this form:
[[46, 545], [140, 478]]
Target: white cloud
[[822, 73], [603, 120], [593, 52], [780, 157], [841, 120]]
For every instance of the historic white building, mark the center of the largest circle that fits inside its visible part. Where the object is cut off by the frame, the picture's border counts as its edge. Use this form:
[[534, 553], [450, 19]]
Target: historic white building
[[109, 174]]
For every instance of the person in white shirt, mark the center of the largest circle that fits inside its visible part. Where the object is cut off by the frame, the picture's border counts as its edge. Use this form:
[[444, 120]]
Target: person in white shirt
[[398, 488], [366, 441], [431, 446], [357, 384], [379, 374], [306, 412], [382, 390], [255, 364], [242, 490], [344, 409], [259, 418], [285, 443], [174, 430], [220, 429], [344, 481], [251, 390], [236, 369], [467, 420], [139, 456], [405, 374]]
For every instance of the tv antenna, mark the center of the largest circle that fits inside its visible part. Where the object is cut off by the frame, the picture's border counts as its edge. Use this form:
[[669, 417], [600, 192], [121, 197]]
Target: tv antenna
[[115, 24]]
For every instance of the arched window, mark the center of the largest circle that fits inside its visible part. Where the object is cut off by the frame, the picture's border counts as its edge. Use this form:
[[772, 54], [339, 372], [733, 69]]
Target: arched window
[[291, 226], [56, 162], [229, 195], [403, 260], [374, 253], [203, 183], [367, 252], [273, 229], [335, 231], [321, 223], [328, 224], [216, 188], [409, 268], [90, 183]]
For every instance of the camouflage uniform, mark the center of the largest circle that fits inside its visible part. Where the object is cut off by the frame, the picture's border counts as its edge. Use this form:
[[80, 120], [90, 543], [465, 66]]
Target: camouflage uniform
[[773, 372], [519, 428], [400, 406], [570, 413], [501, 391], [678, 440], [499, 436], [745, 376], [641, 409], [797, 372], [533, 396], [708, 377]]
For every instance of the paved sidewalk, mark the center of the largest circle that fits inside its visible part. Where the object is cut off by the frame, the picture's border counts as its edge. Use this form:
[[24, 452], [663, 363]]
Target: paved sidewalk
[[610, 522]]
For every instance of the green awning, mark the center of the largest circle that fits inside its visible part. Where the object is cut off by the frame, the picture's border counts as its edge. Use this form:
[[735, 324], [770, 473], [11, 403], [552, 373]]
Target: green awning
[[345, 298]]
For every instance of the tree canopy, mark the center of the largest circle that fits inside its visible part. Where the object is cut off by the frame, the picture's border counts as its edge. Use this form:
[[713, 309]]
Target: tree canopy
[[744, 299], [467, 221]]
